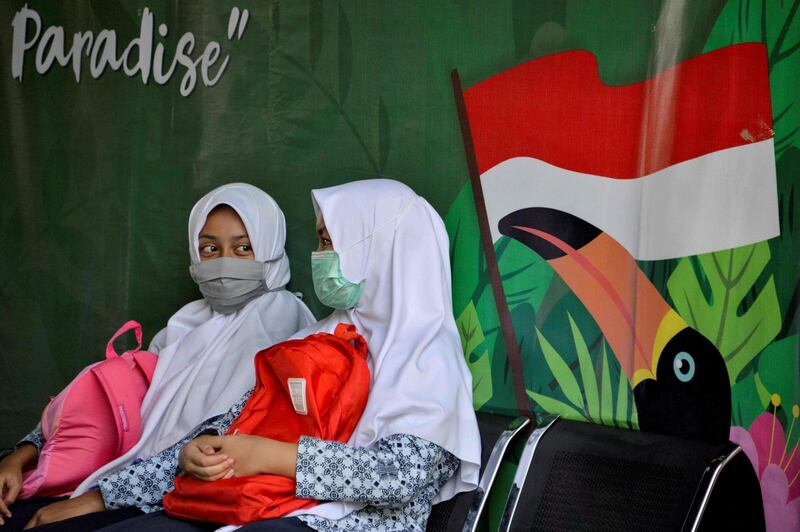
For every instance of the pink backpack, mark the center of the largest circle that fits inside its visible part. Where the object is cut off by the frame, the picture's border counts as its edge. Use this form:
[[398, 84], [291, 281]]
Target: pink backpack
[[95, 419]]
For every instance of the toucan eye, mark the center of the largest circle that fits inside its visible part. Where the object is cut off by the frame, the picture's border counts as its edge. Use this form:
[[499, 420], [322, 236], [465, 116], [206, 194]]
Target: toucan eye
[[683, 365]]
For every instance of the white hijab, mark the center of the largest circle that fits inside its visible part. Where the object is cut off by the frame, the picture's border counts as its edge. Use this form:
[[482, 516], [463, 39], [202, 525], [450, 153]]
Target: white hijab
[[205, 361], [394, 240]]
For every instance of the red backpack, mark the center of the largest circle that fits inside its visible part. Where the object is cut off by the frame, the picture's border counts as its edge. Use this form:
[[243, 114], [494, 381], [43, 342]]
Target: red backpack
[[317, 386]]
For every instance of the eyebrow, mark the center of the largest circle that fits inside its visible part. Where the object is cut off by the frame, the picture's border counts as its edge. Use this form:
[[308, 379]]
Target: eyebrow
[[212, 237]]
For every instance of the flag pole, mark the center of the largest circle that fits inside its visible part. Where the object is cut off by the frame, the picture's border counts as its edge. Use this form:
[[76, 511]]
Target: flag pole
[[503, 312]]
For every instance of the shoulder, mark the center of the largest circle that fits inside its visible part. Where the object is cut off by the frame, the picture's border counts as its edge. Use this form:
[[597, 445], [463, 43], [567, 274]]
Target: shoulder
[[286, 308]]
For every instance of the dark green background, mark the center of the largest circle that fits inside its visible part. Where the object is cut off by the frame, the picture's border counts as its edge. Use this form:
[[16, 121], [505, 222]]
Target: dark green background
[[97, 178]]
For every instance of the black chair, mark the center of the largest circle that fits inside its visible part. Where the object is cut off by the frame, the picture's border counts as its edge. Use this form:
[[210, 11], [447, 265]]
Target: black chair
[[580, 476], [463, 512]]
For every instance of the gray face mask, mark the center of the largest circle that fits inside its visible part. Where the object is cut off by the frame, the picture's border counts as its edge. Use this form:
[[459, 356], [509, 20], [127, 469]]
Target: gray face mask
[[228, 284]]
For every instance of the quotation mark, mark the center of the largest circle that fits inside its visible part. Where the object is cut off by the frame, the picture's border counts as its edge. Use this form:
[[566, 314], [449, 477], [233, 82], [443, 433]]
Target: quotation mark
[[238, 19]]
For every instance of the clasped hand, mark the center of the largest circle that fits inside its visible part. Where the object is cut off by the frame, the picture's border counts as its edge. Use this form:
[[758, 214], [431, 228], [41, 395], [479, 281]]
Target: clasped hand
[[212, 458]]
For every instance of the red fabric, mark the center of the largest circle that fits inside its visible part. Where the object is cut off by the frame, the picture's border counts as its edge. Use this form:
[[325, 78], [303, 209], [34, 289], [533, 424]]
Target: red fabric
[[337, 385], [558, 110]]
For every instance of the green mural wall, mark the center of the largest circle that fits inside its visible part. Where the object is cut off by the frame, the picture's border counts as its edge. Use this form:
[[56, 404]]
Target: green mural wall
[[744, 300]]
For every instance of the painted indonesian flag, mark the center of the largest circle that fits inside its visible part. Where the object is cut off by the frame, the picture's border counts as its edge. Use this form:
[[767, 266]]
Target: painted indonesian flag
[[679, 164]]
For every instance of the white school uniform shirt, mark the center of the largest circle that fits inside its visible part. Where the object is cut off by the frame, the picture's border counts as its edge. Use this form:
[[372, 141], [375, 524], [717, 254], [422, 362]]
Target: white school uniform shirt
[[388, 236], [205, 361]]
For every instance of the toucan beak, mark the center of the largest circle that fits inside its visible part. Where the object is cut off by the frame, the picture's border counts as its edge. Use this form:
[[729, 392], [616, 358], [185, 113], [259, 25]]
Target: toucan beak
[[634, 318]]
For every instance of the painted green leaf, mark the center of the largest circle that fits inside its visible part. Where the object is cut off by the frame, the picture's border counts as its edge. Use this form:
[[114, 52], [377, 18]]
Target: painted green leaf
[[481, 370], [384, 135], [469, 329], [525, 279], [730, 276], [635, 418], [503, 399], [596, 388], [275, 19], [465, 247], [525, 274], [776, 24], [763, 394], [554, 406], [587, 372], [316, 24], [345, 55], [784, 248], [606, 393], [746, 404], [622, 401], [779, 372], [562, 372]]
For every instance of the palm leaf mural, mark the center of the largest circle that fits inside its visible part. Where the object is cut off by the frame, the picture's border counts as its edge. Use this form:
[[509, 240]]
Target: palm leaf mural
[[472, 341], [336, 98], [776, 377], [316, 27], [525, 279], [562, 372], [344, 49], [772, 369], [587, 400], [587, 372], [711, 291]]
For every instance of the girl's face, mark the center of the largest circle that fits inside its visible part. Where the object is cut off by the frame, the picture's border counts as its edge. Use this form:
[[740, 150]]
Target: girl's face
[[224, 235], [324, 238]]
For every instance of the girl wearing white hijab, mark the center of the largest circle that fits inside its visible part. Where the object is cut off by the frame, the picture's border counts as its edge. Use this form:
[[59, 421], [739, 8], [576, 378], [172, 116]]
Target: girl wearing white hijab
[[206, 351], [383, 263]]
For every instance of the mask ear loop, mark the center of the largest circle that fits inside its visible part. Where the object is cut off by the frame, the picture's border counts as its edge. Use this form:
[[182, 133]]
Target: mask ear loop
[[393, 221], [278, 257], [265, 265]]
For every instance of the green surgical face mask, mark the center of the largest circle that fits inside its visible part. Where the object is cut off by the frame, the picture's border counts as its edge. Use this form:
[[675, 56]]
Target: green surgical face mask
[[332, 289]]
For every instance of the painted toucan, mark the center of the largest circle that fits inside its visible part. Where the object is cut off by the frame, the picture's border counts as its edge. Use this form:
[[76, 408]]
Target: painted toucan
[[679, 380]]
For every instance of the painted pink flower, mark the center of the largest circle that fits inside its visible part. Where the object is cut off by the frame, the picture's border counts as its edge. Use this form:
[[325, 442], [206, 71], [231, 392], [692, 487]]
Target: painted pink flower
[[777, 466]]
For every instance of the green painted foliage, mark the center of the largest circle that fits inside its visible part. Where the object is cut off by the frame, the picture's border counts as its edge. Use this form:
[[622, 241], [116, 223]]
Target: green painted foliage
[[779, 373], [525, 275], [587, 372], [784, 248], [562, 372], [469, 329], [608, 401], [709, 291], [746, 401], [525, 279], [777, 25], [775, 369]]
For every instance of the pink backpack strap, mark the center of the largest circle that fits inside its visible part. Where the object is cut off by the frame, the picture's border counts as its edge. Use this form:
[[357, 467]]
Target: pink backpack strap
[[110, 352], [114, 377], [122, 389], [147, 363]]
